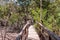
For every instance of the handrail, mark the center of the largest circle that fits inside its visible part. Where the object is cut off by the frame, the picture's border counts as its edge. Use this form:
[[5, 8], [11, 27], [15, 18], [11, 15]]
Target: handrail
[[20, 35], [26, 26], [51, 34]]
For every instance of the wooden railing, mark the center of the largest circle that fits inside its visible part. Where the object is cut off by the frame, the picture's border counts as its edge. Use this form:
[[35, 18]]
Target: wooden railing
[[24, 32], [46, 34]]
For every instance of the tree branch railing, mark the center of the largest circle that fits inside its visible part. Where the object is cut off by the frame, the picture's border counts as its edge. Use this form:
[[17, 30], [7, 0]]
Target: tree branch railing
[[52, 36], [24, 32]]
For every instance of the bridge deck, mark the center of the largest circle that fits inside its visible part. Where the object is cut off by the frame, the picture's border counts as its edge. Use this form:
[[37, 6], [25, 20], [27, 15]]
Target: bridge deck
[[32, 34]]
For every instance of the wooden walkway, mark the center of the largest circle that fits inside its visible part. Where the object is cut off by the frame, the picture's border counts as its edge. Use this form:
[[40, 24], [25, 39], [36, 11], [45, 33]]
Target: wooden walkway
[[28, 33], [32, 34]]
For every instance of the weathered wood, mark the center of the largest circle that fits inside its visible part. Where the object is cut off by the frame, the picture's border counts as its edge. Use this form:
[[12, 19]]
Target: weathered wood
[[32, 33], [52, 35], [24, 32]]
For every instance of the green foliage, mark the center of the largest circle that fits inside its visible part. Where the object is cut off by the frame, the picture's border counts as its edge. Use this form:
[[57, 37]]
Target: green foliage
[[35, 14], [50, 12], [14, 17]]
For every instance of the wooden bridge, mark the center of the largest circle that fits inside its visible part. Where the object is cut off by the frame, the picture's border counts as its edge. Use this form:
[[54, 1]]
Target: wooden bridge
[[28, 33], [44, 34]]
